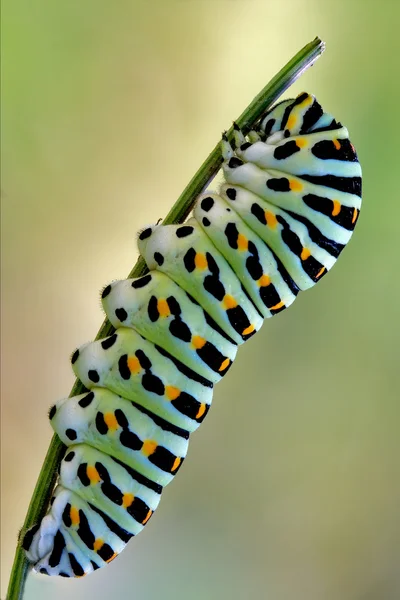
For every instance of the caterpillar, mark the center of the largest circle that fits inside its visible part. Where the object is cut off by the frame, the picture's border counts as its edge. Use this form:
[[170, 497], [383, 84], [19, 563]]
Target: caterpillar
[[288, 206]]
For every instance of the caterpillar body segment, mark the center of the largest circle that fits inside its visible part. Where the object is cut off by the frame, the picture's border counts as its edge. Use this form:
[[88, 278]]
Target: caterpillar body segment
[[108, 486], [288, 207], [250, 258], [74, 539], [165, 314], [202, 272], [123, 430], [136, 369]]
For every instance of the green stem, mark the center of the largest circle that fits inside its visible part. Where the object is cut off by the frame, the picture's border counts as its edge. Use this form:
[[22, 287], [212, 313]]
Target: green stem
[[182, 207]]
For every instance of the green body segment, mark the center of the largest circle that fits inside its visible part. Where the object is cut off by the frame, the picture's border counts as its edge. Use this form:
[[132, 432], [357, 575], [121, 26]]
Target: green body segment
[[186, 254], [304, 260], [125, 431], [78, 539], [134, 368], [251, 259], [163, 313], [295, 156], [289, 206], [108, 486]]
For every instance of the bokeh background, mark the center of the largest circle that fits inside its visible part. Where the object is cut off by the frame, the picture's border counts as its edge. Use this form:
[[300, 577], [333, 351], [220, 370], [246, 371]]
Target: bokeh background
[[291, 487]]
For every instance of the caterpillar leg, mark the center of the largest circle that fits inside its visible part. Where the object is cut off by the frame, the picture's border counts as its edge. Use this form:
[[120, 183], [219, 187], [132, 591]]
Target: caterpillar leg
[[226, 148]]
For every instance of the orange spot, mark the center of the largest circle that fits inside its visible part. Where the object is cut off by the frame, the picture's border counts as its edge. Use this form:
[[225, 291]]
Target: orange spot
[[200, 261], [111, 558], [295, 185], [305, 253], [201, 411], [74, 514], [301, 142], [279, 305], [320, 272], [134, 365], [229, 302], [336, 208], [127, 500], [264, 281], [163, 308], [147, 517], [291, 122], [93, 474], [242, 241], [98, 544], [336, 143], [172, 392], [224, 365], [198, 342], [111, 421], [306, 101], [271, 219], [248, 330], [355, 213], [176, 464], [149, 447]]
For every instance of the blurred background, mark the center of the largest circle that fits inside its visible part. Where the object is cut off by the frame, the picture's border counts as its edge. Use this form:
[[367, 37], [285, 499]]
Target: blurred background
[[291, 487]]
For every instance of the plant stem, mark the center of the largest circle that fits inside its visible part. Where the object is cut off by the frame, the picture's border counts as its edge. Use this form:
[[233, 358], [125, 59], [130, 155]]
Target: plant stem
[[178, 213]]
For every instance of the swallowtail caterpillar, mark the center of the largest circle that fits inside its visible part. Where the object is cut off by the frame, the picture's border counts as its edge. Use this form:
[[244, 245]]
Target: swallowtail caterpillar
[[288, 207]]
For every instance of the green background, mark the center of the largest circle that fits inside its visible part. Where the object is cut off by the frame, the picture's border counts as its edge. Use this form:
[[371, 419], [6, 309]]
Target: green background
[[291, 487]]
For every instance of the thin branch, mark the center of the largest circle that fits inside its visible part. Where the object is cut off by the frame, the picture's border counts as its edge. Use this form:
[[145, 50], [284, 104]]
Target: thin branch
[[265, 99]]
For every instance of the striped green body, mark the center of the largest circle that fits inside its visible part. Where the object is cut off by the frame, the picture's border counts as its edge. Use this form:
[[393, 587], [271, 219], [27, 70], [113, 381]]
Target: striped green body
[[289, 206]]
